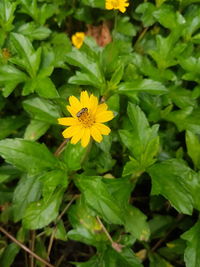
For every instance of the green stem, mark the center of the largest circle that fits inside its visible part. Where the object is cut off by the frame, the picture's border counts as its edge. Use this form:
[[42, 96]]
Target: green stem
[[115, 23]]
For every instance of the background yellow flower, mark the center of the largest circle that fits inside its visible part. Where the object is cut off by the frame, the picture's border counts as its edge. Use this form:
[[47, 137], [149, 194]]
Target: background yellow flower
[[77, 39], [117, 4], [87, 119]]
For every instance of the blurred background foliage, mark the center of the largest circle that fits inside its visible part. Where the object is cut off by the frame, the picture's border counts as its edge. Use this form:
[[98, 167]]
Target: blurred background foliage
[[132, 200]]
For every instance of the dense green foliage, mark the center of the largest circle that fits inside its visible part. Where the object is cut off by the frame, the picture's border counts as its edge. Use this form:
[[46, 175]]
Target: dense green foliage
[[141, 184]]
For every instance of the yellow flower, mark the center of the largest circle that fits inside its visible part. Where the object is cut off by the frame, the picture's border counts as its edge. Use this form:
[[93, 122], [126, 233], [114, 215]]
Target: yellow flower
[[117, 4], [87, 119], [77, 39]]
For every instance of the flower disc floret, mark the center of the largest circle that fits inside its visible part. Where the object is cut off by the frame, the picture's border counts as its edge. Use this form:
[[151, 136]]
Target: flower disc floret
[[117, 4], [87, 119]]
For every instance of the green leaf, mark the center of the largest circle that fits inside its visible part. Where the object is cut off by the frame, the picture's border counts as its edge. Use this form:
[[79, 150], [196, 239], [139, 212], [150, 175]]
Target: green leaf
[[110, 257], [125, 27], [74, 156], [182, 98], [51, 180], [173, 250], [46, 88], [30, 58], [39, 13], [39, 214], [33, 32], [10, 77], [193, 148], [170, 18], [160, 225], [142, 140], [7, 10], [167, 51], [61, 231], [61, 46], [94, 3], [5, 195], [84, 79], [145, 85], [147, 10], [117, 75], [192, 21], [9, 125], [27, 155], [98, 197], [131, 167], [35, 130], [192, 67], [86, 63], [192, 252], [157, 261], [185, 3], [176, 182], [185, 119], [110, 57], [42, 110], [125, 258], [148, 68], [86, 228], [8, 256], [28, 190], [8, 172], [29, 87], [136, 224]]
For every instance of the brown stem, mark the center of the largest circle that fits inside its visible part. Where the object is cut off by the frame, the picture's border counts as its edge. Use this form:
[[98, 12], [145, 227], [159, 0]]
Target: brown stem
[[116, 246], [141, 36], [60, 149], [25, 248], [32, 248], [60, 260], [179, 218], [57, 220]]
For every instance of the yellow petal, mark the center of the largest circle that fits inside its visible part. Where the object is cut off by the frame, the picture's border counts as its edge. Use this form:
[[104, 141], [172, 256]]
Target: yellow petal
[[72, 111], [85, 138], [101, 107], [102, 128], [122, 9], [77, 39], [84, 99], [68, 121], [75, 103], [80, 35], [95, 133], [93, 104], [108, 5], [104, 116], [72, 130], [78, 136]]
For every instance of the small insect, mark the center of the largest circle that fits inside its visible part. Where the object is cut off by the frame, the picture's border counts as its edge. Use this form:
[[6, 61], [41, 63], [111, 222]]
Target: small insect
[[82, 111]]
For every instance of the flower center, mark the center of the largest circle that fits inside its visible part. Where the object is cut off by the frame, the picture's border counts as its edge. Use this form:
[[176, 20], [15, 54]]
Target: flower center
[[115, 3], [85, 118], [79, 39]]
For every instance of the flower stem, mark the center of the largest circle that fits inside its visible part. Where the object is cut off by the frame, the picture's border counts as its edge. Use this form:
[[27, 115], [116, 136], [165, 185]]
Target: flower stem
[[115, 246], [115, 23], [60, 149]]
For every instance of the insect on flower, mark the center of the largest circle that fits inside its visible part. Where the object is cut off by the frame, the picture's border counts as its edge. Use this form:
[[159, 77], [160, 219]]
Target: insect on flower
[[87, 119], [83, 110]]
